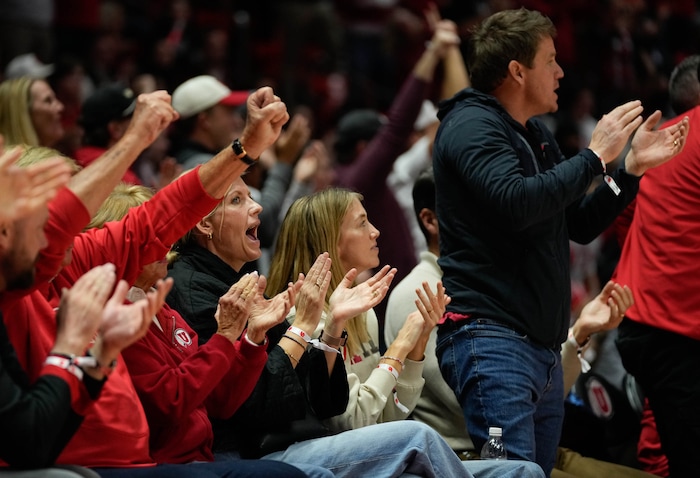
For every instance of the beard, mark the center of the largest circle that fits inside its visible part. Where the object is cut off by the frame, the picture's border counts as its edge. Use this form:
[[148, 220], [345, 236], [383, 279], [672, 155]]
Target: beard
[[17, 278], [23, 280]]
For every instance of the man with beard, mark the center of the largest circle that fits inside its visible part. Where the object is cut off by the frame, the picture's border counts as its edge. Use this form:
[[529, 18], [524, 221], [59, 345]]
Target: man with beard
[[44, 416]]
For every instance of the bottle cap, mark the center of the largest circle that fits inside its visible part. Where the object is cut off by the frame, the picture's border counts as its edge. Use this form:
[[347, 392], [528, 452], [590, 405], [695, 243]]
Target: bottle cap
[[495, 431]]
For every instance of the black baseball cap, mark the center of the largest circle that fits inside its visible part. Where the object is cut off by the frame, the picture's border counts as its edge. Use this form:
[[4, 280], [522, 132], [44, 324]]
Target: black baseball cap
[[357, 125], [108, 103]]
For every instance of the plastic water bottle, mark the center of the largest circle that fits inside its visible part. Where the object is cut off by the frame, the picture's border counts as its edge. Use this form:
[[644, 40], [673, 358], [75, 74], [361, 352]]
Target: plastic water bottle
[[494, 449]]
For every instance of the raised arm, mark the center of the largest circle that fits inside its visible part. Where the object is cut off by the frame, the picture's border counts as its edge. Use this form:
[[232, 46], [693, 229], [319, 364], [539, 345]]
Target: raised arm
[[394, 385], [604, 312], [152, 114], [266, 116]]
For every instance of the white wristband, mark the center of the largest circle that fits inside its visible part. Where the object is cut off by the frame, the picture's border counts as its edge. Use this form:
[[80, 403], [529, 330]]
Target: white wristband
[[66, 364], [571, 340], [317, 344], [391, 369], [398, 404], [300, 333]]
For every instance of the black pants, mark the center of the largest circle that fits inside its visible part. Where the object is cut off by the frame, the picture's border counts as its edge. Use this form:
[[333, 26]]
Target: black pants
[[667, 367]]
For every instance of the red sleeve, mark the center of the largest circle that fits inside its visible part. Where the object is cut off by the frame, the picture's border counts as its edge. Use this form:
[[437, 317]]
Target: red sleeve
[[80, 399], [67, 217], [243, 374], [143, 236]]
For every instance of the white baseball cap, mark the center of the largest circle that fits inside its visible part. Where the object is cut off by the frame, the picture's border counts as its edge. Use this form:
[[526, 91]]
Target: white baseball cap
[[202, 92], [27, 65]]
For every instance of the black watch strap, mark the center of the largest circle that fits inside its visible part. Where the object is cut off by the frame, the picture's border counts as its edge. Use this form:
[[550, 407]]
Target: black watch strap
[[241, 153]]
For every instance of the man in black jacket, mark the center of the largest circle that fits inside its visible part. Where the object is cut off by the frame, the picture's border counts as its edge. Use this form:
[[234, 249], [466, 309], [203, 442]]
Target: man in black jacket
[[508, 203]]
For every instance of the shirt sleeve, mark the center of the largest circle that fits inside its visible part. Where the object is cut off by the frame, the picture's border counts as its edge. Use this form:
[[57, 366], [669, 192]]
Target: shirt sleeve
[[371, 389], [42, 417], [143, 236]]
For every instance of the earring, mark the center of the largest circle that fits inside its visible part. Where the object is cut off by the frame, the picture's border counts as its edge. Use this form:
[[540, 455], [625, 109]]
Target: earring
[[210, 236]]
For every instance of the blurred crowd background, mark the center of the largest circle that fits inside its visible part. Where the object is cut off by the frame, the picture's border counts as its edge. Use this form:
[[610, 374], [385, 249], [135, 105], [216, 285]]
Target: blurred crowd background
[[335, 55]]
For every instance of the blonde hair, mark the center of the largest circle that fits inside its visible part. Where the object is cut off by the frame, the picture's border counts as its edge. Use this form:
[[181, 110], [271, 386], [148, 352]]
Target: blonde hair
[[15, 121], [310, 228], [121, 199], [190, 237], [37, 154]]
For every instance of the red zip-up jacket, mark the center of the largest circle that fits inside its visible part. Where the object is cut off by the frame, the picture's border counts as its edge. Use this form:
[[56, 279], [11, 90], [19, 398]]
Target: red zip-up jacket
[[181, 384]]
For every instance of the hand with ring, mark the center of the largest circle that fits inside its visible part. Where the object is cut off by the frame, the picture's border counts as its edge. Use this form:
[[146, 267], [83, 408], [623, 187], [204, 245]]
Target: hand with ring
[[652, 147]]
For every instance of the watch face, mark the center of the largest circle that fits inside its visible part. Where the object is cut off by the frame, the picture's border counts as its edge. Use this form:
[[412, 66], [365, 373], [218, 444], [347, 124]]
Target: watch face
[[238, 147]]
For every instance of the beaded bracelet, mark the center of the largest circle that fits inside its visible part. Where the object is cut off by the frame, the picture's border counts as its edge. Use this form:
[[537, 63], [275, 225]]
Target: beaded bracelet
[[388, 357]]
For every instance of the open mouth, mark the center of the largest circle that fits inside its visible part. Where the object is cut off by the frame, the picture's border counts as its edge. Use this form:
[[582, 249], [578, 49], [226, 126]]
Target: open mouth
[[252, 233]]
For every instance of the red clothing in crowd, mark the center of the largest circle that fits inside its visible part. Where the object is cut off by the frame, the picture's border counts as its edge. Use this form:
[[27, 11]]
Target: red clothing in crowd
[[660, 256], [144, 236], [87, 154], [182, 384]]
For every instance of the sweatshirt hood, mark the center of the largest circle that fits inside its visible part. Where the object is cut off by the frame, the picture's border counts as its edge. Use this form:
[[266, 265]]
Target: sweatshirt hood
[[465, 97]]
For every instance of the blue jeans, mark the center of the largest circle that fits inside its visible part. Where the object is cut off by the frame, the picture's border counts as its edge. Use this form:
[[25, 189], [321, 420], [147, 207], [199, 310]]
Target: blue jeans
[[395, 449], [501, 378]]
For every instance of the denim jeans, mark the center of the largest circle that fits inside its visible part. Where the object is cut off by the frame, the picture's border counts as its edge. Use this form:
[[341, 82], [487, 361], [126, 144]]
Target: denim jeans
[[393, 449], [501, 378]]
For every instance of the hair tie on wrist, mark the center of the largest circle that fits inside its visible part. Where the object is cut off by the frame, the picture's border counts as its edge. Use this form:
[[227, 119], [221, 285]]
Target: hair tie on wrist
[[285, 336]]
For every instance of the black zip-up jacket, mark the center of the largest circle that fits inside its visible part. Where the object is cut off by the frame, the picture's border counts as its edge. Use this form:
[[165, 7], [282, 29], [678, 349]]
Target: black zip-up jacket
[[38, 419], [507, 203]]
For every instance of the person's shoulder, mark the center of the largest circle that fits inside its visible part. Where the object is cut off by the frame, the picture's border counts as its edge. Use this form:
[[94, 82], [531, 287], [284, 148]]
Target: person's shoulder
[[693, 115]]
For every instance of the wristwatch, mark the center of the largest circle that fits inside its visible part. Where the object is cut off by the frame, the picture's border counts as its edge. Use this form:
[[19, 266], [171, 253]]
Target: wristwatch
[[241, 153], [333, 341]]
